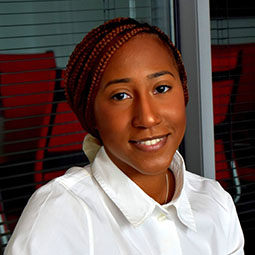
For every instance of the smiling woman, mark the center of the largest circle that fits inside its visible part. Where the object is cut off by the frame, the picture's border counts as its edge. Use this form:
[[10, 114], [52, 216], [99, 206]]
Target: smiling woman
[[148, 95], [127, 84]]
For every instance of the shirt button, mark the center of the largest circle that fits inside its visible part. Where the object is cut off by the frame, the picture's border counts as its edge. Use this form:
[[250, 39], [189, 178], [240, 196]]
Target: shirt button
[[161, 217]]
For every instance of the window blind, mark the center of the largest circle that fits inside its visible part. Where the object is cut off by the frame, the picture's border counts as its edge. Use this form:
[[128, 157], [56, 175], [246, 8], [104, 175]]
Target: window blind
[[233, 54]]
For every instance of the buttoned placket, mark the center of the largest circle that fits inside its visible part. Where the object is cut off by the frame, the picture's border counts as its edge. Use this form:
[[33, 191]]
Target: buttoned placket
[[165, 231]]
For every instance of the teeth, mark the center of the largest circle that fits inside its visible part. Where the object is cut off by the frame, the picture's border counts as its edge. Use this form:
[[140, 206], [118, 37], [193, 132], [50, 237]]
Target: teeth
[[151, 142]]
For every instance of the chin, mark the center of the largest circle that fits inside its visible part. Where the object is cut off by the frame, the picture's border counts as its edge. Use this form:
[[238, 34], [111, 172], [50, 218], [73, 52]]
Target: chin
[[153, 167]]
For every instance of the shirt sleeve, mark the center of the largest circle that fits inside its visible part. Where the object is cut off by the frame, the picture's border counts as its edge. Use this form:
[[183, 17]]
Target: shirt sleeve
[[53, 222], [235, 236]]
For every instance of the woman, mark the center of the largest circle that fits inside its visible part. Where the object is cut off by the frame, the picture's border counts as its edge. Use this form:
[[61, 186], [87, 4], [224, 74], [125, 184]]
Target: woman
[[127, 84]]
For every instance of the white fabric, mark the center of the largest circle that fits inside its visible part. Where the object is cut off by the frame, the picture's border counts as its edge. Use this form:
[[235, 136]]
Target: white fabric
[[90, 147], [99, 210]]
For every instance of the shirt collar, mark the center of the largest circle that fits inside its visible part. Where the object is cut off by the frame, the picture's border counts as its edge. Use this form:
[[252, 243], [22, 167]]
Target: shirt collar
[[133, 202], [180, 199]]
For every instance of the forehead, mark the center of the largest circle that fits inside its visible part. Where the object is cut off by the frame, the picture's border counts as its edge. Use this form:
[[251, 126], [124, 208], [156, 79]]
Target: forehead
[[143, 52], [143, 42]]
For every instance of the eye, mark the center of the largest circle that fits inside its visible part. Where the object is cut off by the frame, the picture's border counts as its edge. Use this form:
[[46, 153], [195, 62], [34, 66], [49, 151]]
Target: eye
[[162, 89], [120, 96]]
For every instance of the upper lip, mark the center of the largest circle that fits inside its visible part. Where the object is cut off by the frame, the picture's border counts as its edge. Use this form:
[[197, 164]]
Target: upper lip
[[148, 138]]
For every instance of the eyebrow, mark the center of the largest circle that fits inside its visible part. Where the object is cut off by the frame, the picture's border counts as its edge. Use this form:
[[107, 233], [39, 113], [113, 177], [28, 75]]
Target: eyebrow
[[157, 74], [126, 80], [123, 80]]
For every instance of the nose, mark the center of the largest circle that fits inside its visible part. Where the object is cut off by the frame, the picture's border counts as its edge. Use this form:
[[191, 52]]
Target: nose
[[146, 113]]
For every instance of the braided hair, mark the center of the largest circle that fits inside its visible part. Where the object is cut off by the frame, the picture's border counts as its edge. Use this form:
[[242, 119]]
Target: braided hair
[[89, 60]]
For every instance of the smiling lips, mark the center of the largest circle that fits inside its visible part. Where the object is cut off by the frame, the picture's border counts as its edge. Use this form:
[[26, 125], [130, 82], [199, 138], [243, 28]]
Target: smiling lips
[[153, 144], [150, 142]]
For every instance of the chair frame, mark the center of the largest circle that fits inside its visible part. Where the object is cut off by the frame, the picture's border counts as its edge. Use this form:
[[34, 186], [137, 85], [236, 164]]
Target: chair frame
[[227, 125]]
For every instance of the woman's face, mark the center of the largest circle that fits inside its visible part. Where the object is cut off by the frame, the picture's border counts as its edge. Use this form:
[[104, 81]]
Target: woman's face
[[140, 109]]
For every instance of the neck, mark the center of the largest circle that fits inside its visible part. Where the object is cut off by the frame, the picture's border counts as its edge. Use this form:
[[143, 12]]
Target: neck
[[155, 186]]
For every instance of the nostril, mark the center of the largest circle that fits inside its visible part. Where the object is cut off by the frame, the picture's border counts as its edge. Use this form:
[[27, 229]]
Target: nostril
[[146, 120], [146, 113]]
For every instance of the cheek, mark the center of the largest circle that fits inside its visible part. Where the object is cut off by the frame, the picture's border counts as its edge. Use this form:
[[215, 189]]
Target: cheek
[[102, 117], [180, 114], [181, 117], [109, 120], [182, 124], [176, 113], [178, 120]]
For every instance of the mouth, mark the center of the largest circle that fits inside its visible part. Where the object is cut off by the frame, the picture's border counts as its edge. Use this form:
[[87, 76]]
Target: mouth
[[150, 144]]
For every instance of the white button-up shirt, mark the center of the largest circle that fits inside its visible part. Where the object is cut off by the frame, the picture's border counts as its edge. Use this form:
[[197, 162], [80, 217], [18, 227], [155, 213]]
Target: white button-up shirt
[[99, 210]]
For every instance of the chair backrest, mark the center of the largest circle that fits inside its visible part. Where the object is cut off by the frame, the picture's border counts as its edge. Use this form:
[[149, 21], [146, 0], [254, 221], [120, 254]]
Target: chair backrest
[[244, 115], [26, 92], [226, 71], [226, 68], [66, 132], [63, 146], [245, 101]]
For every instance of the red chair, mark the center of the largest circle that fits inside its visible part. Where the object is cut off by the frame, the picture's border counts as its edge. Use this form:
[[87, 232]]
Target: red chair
[[227, 68], [242, 108], [27, 84], [26, 92], [63, 146], [242, 137], [244, 115]]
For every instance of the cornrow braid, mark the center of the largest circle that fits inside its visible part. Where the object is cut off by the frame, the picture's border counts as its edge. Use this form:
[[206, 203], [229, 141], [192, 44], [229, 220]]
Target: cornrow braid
[[91, 56]]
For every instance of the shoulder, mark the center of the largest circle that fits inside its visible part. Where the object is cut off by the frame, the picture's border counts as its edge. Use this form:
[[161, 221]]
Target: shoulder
[[72, 188], [215, 211], [207, 189], [56, 212]]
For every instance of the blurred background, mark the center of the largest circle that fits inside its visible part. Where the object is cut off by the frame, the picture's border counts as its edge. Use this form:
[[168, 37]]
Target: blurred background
[[39, 135]]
